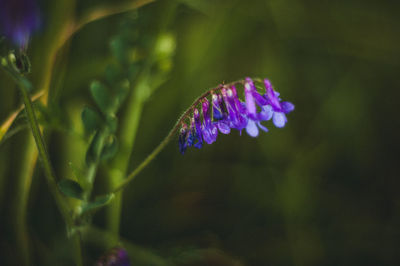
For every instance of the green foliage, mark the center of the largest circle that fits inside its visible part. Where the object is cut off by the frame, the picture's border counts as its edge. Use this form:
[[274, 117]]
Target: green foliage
[[102, 97], [71, 188], [91, 120], [97, 203]]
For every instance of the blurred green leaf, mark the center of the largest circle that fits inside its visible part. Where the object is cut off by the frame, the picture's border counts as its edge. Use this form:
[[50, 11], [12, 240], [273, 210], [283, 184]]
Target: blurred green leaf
[[98, 203], [113, 73], [79, 175], [119, 49], [71, 188], [91, 120], [101, 96]]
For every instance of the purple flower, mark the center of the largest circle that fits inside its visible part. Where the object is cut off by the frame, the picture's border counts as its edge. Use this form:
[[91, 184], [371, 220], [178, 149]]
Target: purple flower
[[236, 113], [219, 113], [197, 127], [18, 19], [183, 138], [115, 257], [209, 130], [229, 112], [252, 97], [280, 109]]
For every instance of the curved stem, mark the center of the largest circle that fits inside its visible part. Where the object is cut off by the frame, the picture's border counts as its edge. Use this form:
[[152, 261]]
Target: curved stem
[[103, 12], [96, 14], [170, 136]]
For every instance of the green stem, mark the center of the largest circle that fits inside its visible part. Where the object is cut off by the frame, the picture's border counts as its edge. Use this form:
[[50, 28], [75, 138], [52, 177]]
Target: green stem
[[119, 165], [149, 158], [94, 165], [21, 200], [25, 86]]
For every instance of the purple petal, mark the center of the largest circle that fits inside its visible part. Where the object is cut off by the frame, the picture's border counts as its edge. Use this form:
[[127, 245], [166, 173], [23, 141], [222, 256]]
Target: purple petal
[[223, 127], [207, 136], [266, 113], [287, 107], [252, 129], [279, 119], [183, 137], [250, 102], [18, 19], [261, 101], [262, 127], [272, 96]]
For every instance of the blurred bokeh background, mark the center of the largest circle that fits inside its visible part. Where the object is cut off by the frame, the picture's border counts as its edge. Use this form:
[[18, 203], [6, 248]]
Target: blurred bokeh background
[[324, 190]]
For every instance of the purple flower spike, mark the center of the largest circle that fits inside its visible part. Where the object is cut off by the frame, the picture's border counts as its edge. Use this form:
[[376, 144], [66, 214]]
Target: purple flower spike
[[18, 19], [226, 111]]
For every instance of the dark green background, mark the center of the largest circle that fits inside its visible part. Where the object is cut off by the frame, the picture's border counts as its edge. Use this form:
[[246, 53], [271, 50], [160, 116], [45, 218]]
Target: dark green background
[[324, 190]]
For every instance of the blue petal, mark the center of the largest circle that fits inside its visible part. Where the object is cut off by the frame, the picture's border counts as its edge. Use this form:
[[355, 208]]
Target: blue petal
[[287, 107], [223, 127], [262, 127], [279, 119], [252, 129], [266, 113]]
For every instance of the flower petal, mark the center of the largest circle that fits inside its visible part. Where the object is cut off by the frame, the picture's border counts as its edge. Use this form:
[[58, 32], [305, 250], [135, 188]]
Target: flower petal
[[223, 127], [250, 102], [279, 119], [266, 113], [252, 129], [287, 107], [262, 127]]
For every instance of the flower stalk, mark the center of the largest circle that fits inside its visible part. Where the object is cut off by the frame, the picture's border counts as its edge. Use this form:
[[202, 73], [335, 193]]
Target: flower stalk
[[228, 112]]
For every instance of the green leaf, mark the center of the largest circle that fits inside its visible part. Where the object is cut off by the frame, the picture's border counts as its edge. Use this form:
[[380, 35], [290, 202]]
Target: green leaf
[[98, 203], [91, 120], [79, 175], [119, 49], [113, 74], [101, 96], [71, 188], [110, 148]]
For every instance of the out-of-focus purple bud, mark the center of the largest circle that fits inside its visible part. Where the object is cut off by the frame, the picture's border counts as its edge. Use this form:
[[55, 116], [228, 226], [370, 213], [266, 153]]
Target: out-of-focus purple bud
[[18, 20]]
